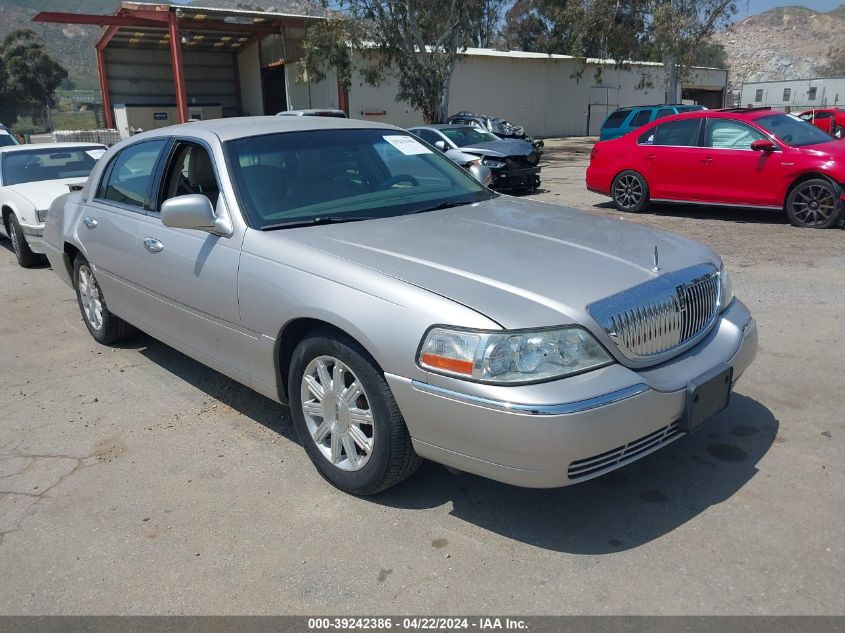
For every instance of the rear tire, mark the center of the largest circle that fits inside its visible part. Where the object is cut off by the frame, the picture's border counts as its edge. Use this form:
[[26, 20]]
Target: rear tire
[[838, 131], [26, 258], [342, 387], [629, 191], [814, 204], [105, 327]]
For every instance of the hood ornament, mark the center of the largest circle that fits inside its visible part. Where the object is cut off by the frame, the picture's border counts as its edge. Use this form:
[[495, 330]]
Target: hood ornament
[[656, 267]]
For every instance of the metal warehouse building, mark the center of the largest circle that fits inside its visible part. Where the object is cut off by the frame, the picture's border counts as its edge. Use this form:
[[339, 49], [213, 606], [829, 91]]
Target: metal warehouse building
[[161, 64], [797, 94]]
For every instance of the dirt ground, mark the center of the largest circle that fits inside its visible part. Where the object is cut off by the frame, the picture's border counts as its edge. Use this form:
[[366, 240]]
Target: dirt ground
[[136, 481]]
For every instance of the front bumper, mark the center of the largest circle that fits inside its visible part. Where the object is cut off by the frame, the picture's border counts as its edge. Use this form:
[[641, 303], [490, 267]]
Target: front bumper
[[528, 177], [540, 443], [34, 234]]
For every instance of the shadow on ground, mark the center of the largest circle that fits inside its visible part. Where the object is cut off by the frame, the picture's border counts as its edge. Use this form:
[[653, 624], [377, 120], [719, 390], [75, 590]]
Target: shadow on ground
[[704, 212], [621, 510]]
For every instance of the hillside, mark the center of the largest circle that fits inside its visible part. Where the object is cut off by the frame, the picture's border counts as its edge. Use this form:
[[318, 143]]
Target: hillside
[[782, 43], [73, 45]]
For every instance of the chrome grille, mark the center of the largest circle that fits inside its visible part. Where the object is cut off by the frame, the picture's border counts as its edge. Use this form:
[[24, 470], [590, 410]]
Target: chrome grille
[[605, 462], [654, 319]]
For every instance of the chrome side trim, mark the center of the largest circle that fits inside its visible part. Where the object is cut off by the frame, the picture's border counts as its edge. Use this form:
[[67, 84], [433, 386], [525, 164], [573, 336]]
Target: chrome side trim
[[533, 409]]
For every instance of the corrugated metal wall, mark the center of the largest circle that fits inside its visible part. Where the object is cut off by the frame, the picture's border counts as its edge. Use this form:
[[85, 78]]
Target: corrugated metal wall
[[145, 76]]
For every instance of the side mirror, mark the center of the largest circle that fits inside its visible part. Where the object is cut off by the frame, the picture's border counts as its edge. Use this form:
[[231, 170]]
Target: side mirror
[[441, 145], [482, 174], [763, 145], [191, 211]]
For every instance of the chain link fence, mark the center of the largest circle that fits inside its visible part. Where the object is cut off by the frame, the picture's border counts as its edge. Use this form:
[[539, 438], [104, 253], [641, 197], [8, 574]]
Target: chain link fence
[[44, 123]]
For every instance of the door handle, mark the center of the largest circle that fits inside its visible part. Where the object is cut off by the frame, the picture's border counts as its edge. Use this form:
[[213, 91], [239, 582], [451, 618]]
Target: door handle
[[707, 160], [153, 245], [90, 223], [650, 156]]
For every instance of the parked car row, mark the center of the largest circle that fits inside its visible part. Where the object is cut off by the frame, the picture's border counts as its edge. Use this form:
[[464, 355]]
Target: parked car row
[[753, 157], [402, 309], [471, 139]]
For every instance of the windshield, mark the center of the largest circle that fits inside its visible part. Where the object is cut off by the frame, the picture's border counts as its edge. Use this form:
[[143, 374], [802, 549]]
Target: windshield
[[792, 130], [296, 177], [6, 137], [49, 164], [467, 135]]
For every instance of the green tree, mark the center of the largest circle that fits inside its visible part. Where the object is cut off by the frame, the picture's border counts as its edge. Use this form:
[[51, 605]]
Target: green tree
[[32, 76], [415, 41]]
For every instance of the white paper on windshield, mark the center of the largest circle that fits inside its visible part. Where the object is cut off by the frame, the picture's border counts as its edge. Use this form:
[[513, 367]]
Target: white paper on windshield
[[4, 133], [408, 145], [96, 154]]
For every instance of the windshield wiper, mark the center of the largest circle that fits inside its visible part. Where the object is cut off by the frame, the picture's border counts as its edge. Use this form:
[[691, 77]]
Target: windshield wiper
[[438, 207], [325, 219]]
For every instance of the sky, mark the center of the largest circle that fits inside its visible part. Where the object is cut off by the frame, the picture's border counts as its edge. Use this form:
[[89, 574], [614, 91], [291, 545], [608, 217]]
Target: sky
[[749, 7]]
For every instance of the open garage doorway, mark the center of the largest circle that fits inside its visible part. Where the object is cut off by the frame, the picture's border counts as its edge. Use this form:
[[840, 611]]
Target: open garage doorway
[[273, 88]]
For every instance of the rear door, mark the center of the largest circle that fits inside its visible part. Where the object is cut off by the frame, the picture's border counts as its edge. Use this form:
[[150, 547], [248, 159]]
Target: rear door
[[110, 223], [672, 159], [733, 172]]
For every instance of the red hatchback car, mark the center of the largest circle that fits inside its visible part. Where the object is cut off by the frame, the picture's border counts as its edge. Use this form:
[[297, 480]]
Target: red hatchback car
[[748, 158], [831, 120]]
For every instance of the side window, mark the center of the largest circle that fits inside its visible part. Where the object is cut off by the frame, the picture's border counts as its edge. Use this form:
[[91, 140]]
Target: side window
[[647, 138], [727, 134], [641, 118], [663, 112], [129, 177], [758, 95], [430, 136], [824, 115], [682, 133], [811, 93], [615, 120], [190, 171], [787, 93]]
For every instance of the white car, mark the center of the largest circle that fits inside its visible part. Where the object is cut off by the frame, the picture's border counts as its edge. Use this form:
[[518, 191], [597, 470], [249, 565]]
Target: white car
[[31, 177]]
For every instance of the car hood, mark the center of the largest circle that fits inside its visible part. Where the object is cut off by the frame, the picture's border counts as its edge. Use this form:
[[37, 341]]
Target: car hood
[[503, 147], [41, 194], [520, 263]]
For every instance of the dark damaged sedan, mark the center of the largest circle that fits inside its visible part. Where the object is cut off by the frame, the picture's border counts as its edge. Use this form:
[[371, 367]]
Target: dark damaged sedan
[[513, 163]]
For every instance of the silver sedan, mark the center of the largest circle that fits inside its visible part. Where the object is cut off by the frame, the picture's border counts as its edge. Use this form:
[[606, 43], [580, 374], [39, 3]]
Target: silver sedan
[[401, 308]]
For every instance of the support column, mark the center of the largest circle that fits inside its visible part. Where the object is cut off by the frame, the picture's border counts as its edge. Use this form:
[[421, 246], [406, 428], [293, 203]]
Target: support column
[[108, 113], [178, 71]]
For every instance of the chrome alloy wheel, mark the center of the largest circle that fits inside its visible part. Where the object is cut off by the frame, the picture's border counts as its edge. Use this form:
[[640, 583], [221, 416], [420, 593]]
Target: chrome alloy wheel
[[814, 204], [337, 413], [628, 191], [89, 295]]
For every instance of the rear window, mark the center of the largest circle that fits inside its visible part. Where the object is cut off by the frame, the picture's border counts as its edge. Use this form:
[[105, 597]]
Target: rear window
[[49, 164], [616, 119]]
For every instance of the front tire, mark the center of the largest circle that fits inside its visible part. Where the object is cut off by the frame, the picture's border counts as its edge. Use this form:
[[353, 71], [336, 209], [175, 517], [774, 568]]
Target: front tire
[[814, 204], [346, 416], [26, 258], [105, 327], [838, 131], [630, 192]]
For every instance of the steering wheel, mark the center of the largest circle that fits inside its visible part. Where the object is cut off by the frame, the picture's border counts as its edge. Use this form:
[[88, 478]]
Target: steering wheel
[[395, 180]]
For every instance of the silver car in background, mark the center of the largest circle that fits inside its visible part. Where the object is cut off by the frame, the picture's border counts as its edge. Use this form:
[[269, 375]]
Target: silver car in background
[[402, 309]]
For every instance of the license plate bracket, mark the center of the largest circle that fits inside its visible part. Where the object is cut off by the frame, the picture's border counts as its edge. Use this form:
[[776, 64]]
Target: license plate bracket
[[707, 394]]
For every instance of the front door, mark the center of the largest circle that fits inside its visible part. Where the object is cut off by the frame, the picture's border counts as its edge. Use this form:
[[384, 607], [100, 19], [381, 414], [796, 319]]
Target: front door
[[110, 225], [191, 274], [734, 173]]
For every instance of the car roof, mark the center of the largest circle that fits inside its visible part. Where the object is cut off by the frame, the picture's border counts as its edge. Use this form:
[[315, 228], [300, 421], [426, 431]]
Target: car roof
[[30, 146], [443, 126], [241, 127], [656, 105]]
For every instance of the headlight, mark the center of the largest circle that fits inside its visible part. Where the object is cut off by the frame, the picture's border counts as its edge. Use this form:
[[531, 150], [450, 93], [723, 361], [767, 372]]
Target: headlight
[[727, 288], [42, 214], [492, 164], [511, 357]]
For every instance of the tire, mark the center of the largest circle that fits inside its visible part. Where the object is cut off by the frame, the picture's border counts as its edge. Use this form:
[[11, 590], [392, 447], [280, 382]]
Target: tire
[[325, 423], [105, 327], [629, 191], [814, 204], [838, 131], [26, 258]]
